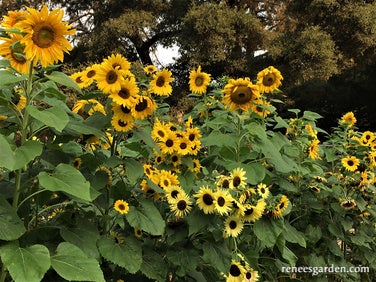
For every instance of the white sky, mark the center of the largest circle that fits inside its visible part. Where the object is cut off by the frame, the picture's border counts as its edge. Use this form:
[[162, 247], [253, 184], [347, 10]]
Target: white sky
[[164, 56]]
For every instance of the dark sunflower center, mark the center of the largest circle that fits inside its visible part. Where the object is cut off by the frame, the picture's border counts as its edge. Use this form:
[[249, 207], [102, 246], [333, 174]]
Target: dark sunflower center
[[248, 211], [248, 275], [207, 199], [161, 133], [125, 110], [167, 183], [348, 204], [191, 137], [17, 54], [169, 143], [111, 77], [262, 190], [234, 270], [368, 137], [116, 65], [76, 163], [226, 183], [78, 79], [236, 181], [124, 93], [160, 81], [281, 205], [182, 205], [43, 36], [174, 159], [241, 95], [90, 73], [268, 79], [142, 105], [233, 224], [174, 194], [122, 123], [199, 81], [221, 201], [350, 162], [121, 207], [183, 146]]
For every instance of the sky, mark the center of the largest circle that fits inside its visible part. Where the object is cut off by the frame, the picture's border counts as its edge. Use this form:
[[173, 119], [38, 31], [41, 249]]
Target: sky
[[164, 56]]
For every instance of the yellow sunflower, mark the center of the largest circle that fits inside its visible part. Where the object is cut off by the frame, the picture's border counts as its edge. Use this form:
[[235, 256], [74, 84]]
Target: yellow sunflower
[[121, 206], [144, 106], [237, 178], [223, 181], [169, 144], [253, 213], [269, 79], [240, 94], [159, 130], [250, 275], [233, 226], [12, 49], [348, 119], [121, 111], [205, 200], [122, 124], [263, 190], [150, 69], [89, 74], [45, 35], [196, 166], [183, 146], [313, 149], [348, 204], [350, 163], [172, 193], [367, 138], [181, 206], [198, 81], [90, 106], [79, 79], [109, 79], [13, 19], [127, 94], [19, 101], [137, 233], [160, 85], [223, 201], [77, 162], [117, 61], [281, 206], [236, 272]]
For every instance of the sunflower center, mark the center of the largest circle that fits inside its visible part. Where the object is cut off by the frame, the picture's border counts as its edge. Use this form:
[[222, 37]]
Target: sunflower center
[[124, 93], [268, 79], [183, 146], [125, 110], [90, 73], [161, 133], [122, 123], [208, 200], [174, 194], [121, 207], [174, 159], [350, 162], [17, 55], [236, 181], [241, 95], [234, 270], [199, 81], [142, 105], [232, 224], [169, 143], [111, 77], [160, 81], [281, 205], [191, 137], [43, 36], [262, 190], [78, 79], [221, 201], [182, 205], [226, 183], [248, 211], [248, 275]]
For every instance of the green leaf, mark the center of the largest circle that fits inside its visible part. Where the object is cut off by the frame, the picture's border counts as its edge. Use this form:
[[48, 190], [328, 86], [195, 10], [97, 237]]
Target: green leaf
[[26, 153], [67, 179], [216, 138], [313, 233], [78, 127], [25, 264], [185, 260], [216, 255], [71, 263], [312, 116], [294, 236], [53, 117], [127, 255], [11, 226], [63, 79], [147, 218], [7, 77], [268, 230], [6, 154], [287, 254], [134, 170], [153, 266]]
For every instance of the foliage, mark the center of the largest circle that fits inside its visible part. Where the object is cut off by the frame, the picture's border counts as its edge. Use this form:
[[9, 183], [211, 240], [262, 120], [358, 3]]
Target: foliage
[[100, 192]]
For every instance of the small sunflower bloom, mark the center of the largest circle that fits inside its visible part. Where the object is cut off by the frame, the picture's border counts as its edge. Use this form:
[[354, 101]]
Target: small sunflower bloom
[[350, 163], [121, 206], [198, 81], [160, 85], [349, 119], [269, 79]]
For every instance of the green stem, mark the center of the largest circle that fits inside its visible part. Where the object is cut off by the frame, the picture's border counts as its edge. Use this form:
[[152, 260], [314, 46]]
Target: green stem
[[31, 196], [238, 131], [17, 190]]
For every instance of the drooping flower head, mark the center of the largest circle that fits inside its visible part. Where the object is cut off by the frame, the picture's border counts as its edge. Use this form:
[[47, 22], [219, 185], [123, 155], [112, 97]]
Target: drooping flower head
[[45, 40], [198, 81], [269, 79], [240, 94]]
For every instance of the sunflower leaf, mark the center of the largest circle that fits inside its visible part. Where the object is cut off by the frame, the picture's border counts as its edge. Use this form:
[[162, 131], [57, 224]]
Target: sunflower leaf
[[153, 266], [63, 79], [11, 226], [53, 117]]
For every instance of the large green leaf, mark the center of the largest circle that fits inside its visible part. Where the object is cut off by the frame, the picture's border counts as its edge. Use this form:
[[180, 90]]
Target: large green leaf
[[294, 236], [7, 77], [63, 79], [6, 154], [216, 255], [127, 254], [153, 266], [147, 218], [53, 117], [134, 170], [67, 179], [268, 230], [25, 264], [11, 226], [71, 263]]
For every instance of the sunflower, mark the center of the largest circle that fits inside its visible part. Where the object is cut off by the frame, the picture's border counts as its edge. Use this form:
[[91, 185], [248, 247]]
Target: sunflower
[[253, 213], [159, 158], [150, 69], [183, 146], [45, 35], [12, 50], [181, 205], [371, 156], [121, 206], [143, 107], [236, 272], [175, 159], [247, 195], [89, 74], [137, 233], [122, 124], [196, 166], [159, 130], [238, 208], [172, 193], [240, 94], [350, 163], [313, 149], [168, 174], [160, 85], [260, 107], [168, 145], [193, 134], [281, 206], [233, 226], [127, 94], [367, 138], [205, 200], [79, 79], [102, 170], [121, 111], [348, 119], [198, 81], [109, 79], [13, 19], [263, 190], [20, 101], [90, 106], [223, 201], [237, 178], [119, 239], [269, 79], [145, 187], [348, 204], [250, 275], [117, 61], [223, 181], [77, 162]]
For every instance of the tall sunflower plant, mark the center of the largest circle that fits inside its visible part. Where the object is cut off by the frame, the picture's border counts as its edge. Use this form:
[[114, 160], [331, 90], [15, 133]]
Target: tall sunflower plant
[[118, 187]]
